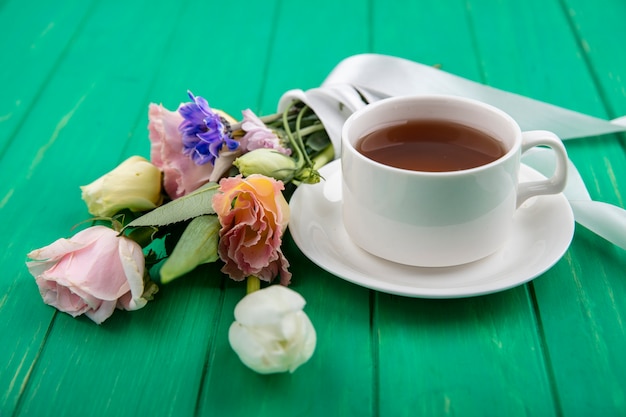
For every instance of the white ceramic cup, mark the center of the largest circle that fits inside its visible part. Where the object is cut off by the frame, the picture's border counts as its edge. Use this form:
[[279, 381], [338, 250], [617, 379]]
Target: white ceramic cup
[[438, 219]]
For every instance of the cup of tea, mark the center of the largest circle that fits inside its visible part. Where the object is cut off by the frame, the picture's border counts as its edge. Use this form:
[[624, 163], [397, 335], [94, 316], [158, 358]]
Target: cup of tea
[[433, 180]]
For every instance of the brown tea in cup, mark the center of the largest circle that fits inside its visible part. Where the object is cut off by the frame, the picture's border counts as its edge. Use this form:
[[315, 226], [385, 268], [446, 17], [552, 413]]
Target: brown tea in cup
[[430, 146]]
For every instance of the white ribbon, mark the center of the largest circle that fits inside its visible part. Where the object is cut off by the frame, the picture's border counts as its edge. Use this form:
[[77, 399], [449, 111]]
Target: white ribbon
[[362, 79], [603, 219]]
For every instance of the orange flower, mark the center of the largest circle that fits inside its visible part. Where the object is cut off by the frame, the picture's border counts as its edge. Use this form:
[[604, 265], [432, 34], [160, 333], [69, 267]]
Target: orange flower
[[253, 214]]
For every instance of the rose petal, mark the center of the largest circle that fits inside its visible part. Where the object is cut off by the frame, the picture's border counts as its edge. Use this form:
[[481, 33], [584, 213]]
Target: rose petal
[[271, 332], [132, 261], [268, 306], [90, 273]]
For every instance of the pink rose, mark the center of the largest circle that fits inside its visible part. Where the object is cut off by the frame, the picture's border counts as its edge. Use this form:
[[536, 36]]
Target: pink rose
[[253, 214], [258, 135], [181, 175], [92, 273]]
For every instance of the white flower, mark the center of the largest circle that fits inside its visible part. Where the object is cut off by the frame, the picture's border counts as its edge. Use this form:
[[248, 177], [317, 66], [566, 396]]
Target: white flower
[[271, 332]]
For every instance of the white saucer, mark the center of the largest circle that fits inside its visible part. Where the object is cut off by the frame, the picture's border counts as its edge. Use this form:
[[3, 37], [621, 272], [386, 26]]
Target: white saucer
[[543, 230]]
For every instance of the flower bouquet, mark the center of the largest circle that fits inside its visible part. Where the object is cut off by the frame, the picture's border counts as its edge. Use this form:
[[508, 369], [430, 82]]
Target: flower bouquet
[[213, 191]]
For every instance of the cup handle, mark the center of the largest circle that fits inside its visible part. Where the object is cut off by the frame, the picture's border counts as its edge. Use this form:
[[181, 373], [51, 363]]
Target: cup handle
[[556, 183]]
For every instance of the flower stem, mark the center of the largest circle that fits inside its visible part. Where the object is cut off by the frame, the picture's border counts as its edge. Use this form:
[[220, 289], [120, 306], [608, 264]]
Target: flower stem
[[324, 157], [252, 284], [300, 153], [267, 120], [299, 136], [270, 118], [311, 129]]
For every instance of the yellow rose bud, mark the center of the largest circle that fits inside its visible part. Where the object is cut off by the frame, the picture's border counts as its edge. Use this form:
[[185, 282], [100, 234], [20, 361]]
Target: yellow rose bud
[[268, 162], [135, 185]]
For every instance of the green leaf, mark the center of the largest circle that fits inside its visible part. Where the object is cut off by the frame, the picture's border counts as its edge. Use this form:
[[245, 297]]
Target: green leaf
[[317, 141], [197, 203], [197, 245], [142, 235]]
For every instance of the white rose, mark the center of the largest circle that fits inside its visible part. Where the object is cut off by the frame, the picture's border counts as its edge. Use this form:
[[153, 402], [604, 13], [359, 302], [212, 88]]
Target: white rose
[[271, 332]]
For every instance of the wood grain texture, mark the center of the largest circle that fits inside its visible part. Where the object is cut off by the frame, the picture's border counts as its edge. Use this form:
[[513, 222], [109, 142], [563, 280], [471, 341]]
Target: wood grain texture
[[33, 45], [582, 292], [427, 346], [338, 379], [75, 85]]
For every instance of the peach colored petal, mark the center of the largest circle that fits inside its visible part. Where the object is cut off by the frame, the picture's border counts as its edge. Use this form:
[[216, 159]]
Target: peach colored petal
[[252, 213]]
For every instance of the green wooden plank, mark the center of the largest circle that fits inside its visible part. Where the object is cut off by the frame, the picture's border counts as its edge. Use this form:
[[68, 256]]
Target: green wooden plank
[[522, 58], [338, 379], [23, 327], [85, 114], [580, 304], [557, 55], [435, 356], [428, 32], [477, 356], [144, 362], [474, 357], [598, 29], [34, 40], [68, 326], [228, 81], [582, 311], [309, 42]]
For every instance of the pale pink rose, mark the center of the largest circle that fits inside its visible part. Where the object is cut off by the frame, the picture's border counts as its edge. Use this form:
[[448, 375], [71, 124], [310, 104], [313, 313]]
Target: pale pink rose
[[253, 214], [92, 273], [181, 175], [258, 135]]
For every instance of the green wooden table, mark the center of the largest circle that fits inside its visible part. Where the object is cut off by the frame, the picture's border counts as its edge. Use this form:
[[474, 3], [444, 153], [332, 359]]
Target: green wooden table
[[75, 82]]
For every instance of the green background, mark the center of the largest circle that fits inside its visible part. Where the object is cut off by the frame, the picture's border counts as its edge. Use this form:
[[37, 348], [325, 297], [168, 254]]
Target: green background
[[76, 78]]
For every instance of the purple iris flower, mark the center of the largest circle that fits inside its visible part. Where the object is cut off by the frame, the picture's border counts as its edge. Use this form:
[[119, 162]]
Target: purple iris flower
[[204, 131]]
